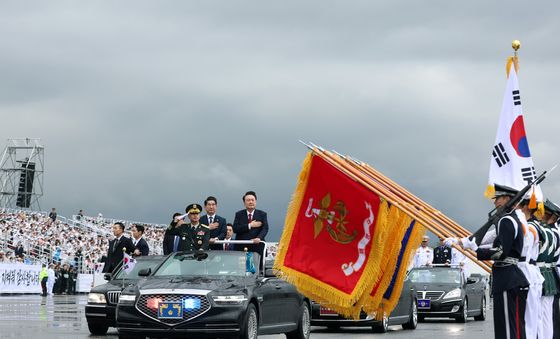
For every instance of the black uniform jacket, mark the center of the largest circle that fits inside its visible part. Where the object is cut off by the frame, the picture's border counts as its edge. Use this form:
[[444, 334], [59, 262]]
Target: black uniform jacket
[[193, 238], [508, 244], [442, 255]]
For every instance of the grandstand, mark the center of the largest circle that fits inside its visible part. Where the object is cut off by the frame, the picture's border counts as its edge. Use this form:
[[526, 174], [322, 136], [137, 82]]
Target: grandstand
[[78, 241]]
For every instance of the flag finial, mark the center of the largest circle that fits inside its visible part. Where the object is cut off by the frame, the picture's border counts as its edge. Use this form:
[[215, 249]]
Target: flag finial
[[516, 45]]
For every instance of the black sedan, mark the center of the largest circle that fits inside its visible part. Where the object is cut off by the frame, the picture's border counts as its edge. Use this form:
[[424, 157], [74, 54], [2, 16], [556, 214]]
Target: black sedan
[[102, 299], [212, 294], [445, 292], [404, 314]]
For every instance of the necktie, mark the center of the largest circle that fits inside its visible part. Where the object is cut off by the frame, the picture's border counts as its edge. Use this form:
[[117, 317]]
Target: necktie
[[250, 217], [210, 220]]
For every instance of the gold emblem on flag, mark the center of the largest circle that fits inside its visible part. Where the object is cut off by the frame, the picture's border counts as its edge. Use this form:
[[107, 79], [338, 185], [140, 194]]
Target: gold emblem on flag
[[338, 232]]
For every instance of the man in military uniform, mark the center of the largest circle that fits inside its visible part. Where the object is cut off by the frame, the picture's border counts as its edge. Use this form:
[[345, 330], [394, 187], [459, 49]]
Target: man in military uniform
[[424, 254], [194, 236], [551, 290], [442, 253], [509, 287]]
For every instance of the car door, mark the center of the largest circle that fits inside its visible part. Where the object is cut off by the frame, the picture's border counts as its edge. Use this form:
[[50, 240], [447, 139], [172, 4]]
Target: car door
[[277, 301], [472, 290], [403, 306]]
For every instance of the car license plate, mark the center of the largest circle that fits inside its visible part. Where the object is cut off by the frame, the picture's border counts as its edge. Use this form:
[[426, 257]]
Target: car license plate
[[327, 311], [424, 304], [170, 310]]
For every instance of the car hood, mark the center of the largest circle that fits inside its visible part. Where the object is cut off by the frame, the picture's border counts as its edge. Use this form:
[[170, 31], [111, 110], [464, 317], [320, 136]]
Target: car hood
[[434, 286], [200, 283]]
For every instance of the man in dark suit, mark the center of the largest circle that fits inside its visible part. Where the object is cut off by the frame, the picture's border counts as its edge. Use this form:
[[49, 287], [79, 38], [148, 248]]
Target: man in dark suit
[[171, 237], [194, 236], [216, 224], [116, 247], [250, 224], [140, 244]]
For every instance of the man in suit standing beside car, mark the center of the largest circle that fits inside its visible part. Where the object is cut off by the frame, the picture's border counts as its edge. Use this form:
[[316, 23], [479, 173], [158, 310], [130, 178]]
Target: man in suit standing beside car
[[216, 224], [251, 224], [140, 244], [116, 246]]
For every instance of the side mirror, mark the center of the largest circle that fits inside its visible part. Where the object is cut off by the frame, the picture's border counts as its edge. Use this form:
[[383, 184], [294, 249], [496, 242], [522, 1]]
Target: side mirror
[[145, 272], [107, 276]]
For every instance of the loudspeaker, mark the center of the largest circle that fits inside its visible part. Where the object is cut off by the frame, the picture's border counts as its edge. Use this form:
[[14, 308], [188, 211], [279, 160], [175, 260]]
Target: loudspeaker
[[25, 188]]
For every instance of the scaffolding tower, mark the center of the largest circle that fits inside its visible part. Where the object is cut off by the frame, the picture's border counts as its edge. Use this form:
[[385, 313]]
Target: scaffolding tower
[[21, 174]]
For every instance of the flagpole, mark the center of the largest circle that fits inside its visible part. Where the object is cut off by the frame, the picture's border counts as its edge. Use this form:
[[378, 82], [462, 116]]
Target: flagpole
[[440, 228], [406, 195], [122, 266], [396, 200]]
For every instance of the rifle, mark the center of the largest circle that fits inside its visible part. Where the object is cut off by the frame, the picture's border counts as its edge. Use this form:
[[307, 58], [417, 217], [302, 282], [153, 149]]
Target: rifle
[[495, 215]]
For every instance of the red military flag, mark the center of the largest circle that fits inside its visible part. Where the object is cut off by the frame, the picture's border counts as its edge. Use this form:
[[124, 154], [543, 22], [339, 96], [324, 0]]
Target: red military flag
[[334, 235]]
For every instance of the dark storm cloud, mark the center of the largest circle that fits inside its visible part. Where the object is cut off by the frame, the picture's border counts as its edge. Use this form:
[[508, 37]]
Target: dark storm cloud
[[144, 107]]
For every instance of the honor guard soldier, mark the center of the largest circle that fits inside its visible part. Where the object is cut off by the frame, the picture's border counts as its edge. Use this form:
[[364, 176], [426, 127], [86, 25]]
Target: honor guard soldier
[[424, 254], [194, 236], [442, 253], [509, 287], [547, 262]]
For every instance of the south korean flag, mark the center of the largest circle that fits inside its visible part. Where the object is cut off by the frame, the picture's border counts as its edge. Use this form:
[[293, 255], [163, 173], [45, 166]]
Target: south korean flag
[[511, 163], [128, 263]]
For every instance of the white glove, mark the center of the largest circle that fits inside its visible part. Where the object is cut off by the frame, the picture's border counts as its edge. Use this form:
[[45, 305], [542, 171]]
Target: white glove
[[450, 242], [469, 243]]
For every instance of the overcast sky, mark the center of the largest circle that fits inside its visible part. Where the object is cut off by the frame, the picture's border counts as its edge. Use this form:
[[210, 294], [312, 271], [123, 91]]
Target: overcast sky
[[146, 106]]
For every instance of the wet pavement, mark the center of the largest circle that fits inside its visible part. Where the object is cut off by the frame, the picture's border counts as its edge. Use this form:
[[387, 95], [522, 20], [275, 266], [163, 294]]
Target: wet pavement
[[32, 316]]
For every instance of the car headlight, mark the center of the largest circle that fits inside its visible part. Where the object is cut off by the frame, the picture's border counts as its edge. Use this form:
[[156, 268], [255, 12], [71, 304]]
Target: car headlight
[[127, 298], [229, 299], [456, 293], [96, 298]]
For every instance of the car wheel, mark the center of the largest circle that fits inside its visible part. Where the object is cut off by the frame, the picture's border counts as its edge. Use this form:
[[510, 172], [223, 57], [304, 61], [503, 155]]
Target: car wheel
[[413, 320], [462, 318], [250, 328], [97, 329], [482, 315], [304, 325], [382, 327]]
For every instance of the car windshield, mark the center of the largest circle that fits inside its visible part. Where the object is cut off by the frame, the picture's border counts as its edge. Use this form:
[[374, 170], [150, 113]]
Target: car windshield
[[202, 264], [140, 264], [444, 276]]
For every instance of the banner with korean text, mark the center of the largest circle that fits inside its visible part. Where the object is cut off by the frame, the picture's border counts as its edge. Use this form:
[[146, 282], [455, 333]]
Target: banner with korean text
[[19, 278]]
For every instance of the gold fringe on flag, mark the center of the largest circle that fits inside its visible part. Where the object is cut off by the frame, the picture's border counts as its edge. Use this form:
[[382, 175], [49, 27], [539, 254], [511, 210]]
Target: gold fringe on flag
[[387, 305], [399, 225]]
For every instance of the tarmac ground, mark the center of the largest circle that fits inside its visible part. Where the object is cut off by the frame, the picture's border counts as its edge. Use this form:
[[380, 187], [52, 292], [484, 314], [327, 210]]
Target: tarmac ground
[[62, 316]]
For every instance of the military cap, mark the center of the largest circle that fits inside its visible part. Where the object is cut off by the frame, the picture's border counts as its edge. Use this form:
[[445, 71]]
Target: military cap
[[552, 207], [502, 190], [193, 209]]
